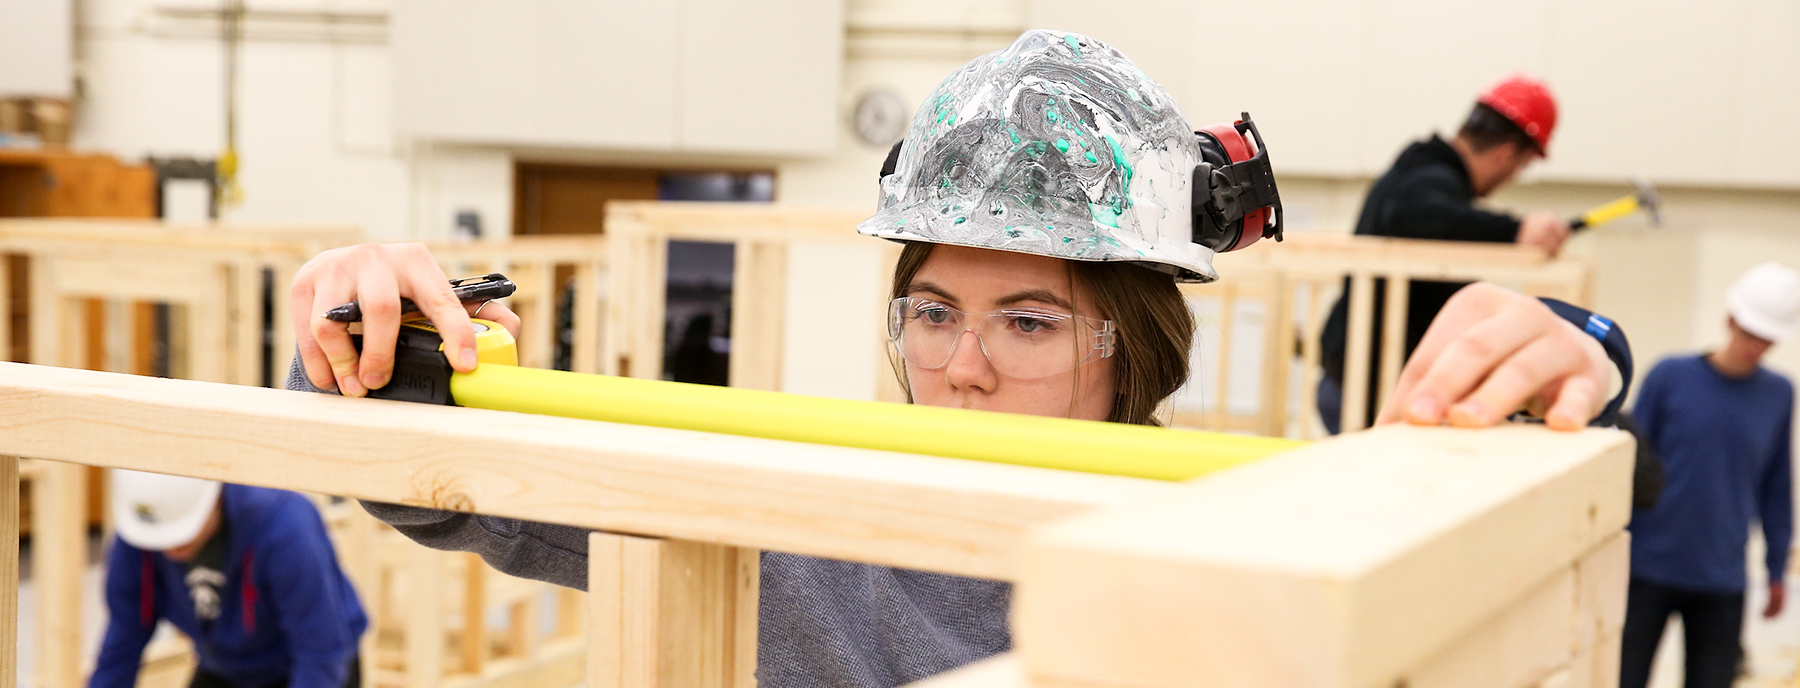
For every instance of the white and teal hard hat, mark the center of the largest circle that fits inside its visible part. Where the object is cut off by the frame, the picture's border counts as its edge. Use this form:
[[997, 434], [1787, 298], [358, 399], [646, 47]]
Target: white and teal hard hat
[[1058, 146]]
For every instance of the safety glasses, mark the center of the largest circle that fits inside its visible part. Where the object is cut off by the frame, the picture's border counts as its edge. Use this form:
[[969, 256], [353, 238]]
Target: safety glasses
[[1023, 342]]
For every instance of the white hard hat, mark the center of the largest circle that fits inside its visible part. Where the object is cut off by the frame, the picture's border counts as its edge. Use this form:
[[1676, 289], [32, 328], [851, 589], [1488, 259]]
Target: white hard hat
[[1059, 146], [1766, 301], [157, 512]]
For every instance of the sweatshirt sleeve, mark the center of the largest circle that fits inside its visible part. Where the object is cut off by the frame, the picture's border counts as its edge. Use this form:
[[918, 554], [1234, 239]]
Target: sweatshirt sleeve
[[540, 551], [1775, 497], [127, 629], [300, 570], [1429, 205]]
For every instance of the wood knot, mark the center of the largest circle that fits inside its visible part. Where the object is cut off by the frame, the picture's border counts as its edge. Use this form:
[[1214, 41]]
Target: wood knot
[[453, 500]]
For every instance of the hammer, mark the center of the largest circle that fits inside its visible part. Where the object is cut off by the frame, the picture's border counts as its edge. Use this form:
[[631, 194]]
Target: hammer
[[1643, 198]]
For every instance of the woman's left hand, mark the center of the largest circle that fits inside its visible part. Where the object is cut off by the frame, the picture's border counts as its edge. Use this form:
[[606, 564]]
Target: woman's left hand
[[1491, 352]]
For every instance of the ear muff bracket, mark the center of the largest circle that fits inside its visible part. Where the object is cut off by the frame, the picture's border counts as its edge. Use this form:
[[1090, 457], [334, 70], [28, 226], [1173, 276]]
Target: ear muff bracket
[[1235, 188]]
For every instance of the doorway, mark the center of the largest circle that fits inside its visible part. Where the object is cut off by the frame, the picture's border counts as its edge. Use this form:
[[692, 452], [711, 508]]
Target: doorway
[[555, 198]]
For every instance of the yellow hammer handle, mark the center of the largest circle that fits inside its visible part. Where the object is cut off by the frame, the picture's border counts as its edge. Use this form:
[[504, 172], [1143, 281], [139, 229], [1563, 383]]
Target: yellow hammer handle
[[1611, 211], [1075, 445]]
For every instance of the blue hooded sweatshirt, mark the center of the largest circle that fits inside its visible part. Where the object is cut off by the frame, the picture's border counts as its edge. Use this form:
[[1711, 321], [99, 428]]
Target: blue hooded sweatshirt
[[288, 613]]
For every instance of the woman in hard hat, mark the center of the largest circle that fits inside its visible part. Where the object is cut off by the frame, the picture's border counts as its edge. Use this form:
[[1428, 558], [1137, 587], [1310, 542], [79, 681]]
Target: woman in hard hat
[[1723, 425], [1050, 196], [247, 573]]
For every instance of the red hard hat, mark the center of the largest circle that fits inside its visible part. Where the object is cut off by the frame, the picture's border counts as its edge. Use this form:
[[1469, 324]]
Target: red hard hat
[[1528, 103]]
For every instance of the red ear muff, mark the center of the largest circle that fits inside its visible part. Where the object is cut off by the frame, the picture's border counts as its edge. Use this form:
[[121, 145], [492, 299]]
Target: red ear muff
[[1235, 201]]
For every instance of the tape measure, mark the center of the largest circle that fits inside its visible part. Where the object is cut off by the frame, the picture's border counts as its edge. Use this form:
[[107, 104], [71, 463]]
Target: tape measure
[[493, 344], [421, 371]]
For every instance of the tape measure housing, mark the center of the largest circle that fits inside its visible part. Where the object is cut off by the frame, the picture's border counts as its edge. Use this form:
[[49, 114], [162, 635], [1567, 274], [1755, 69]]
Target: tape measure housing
[[422, 373]]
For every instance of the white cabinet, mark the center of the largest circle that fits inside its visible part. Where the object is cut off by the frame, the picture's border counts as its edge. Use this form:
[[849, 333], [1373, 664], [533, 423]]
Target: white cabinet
[[705, 76], [36, 48]]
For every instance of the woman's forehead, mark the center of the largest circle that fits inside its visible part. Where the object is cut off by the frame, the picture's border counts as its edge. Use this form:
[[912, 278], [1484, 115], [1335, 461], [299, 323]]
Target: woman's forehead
[[978, 276]]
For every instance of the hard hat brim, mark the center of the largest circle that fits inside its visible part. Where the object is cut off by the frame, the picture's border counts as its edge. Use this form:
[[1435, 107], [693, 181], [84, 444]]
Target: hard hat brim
[[978, 232]]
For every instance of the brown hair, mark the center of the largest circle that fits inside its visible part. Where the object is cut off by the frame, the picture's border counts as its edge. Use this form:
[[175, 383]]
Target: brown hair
[[1155, 329], [1486, 128]]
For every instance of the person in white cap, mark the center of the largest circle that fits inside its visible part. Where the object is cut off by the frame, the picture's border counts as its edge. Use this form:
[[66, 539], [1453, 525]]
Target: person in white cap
[[247, 573], [1721, 423]]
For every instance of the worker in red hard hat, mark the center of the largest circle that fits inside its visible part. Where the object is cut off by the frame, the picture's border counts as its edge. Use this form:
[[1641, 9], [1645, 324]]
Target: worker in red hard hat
[[1430, 193]]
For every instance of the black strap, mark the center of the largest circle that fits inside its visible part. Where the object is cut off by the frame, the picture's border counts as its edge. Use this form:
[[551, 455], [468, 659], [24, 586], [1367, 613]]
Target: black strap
[[1612, 339], [892, 161]]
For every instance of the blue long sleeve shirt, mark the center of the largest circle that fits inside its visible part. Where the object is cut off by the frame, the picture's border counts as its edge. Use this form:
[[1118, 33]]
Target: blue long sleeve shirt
[[1725, 445], [287, 612]]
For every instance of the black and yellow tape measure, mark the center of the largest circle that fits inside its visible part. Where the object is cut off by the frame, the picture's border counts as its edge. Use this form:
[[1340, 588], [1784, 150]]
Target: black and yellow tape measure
[[421, 371]]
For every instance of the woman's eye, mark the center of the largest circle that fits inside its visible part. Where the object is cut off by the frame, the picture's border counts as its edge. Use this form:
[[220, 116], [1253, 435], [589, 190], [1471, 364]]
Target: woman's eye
[[1029, 324], [935, 316]]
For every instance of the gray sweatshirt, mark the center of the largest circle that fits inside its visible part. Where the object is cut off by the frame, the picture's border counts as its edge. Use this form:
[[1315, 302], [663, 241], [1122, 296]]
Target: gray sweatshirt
[[822, 622]]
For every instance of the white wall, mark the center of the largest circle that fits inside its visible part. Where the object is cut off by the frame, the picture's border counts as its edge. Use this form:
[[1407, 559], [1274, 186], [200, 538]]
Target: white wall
[[316, 134], [1345, 84]]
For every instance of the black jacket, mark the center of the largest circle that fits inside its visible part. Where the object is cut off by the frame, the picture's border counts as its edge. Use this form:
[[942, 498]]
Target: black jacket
[[1427, 194]]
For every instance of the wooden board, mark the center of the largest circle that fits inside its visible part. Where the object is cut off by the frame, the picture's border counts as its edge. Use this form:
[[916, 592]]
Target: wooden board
[[1342, 564], [919, 512], [670, 614], [59, 559], [9, 571]]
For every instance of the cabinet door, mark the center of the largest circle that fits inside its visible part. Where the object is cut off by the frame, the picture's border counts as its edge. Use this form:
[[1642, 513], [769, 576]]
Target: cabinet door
[[703, 76], [761, 77], [537, 72], [37, 52]]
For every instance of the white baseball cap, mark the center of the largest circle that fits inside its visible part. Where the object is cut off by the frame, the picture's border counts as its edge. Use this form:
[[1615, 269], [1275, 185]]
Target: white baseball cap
[[1766, 301], [156, 512]]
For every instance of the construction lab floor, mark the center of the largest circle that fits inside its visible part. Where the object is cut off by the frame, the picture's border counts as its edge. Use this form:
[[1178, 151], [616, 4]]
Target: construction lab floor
[[1773, 645]]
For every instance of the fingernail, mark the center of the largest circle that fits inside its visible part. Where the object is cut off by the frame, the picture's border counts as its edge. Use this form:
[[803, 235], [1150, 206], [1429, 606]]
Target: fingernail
[[469, 358], [1425, 408], [375, 381], [350, 386], [1564, 421], [1468, 411]]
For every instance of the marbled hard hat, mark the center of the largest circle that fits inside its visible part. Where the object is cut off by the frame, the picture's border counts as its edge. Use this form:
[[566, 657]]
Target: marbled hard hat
[[1056, 146]]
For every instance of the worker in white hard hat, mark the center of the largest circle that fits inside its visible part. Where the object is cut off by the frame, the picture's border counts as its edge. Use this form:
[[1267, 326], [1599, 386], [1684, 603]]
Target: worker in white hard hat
[[1722, 424], [247, 573], [1050, 196]]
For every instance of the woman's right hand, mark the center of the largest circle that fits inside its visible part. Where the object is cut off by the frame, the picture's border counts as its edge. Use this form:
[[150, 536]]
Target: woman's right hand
[[376, 276]]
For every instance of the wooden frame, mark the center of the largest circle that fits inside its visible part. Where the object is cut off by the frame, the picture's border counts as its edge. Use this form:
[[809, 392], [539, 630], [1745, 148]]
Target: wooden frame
[[1292, 284], [211, 274], [761, 233], [214, 275], [1403, 555], [677, 579]]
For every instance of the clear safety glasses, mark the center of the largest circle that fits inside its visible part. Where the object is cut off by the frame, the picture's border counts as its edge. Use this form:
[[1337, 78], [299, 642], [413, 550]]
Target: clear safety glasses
[[1023, 343]]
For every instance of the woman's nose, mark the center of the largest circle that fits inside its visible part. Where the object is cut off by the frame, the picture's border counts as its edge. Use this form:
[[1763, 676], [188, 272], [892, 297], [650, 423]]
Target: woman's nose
[[969, 367]]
